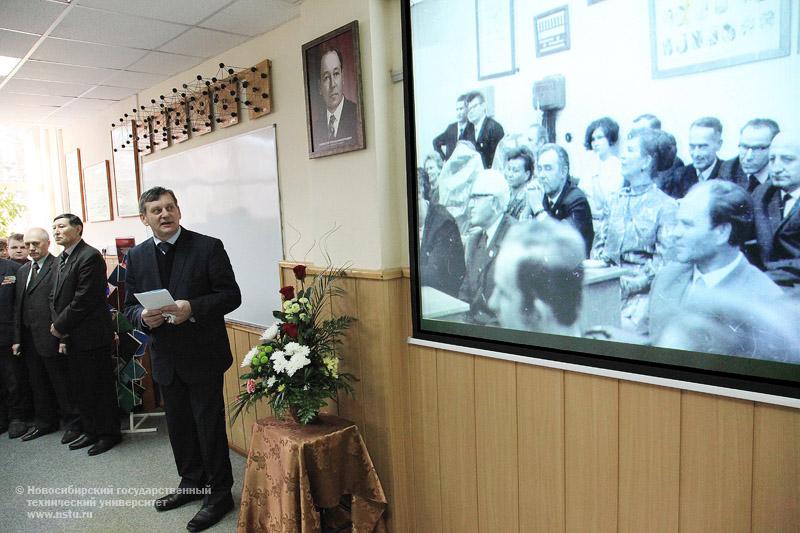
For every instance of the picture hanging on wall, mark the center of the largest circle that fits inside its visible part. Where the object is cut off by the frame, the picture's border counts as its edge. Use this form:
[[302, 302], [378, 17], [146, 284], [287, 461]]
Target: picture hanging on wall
[[125, 154], [334, 107], [552, 31], [494, 29], [97, 192], [75, 183]]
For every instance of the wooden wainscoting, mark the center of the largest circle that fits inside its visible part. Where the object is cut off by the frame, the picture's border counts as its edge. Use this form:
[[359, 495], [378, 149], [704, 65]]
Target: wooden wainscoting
[[463, 443]]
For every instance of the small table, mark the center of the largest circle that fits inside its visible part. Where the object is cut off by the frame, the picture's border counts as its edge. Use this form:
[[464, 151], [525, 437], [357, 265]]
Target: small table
[[294, 471]]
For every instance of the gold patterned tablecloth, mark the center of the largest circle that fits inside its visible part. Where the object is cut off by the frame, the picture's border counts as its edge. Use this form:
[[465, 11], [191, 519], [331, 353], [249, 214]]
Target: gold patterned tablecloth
[[293, 471]]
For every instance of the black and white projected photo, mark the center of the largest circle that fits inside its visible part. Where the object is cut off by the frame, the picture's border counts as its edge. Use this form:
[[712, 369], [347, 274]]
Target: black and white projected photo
[[615, 180]]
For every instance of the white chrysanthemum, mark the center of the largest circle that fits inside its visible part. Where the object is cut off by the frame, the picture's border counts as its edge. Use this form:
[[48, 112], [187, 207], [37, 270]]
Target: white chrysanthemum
[[271, 332], [271, 381], [293, 348], [249, 357], [298, 361], [279, 361]]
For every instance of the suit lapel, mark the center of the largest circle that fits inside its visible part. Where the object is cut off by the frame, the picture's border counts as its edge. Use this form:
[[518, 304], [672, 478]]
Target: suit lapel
[[788, 216], [48, 264], [182, 250]]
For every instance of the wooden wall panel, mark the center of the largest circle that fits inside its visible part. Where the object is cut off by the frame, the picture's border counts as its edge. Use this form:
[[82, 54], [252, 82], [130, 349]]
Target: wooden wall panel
[[351, 408], [591, 417], [457, 433], [540, 416], [716, 463], [248, 416], [649, 457], [496, 445], [424, 439], [776, 469], [232, 390]]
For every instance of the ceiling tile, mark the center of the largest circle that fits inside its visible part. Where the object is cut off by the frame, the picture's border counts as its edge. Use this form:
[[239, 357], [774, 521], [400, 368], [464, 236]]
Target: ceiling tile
[[45, 87], [81, 105], [203, 42], [42, 70], [164, 63], [134, 80], [33, 99], [23, 113], [33, 16], [252, 17], [92, 25], [182, 11], [15, 44], [110, 93], [87, 54]]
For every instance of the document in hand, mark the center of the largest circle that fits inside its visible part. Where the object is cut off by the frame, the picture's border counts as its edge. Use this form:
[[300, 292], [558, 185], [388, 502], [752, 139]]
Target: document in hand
[[155, 299]]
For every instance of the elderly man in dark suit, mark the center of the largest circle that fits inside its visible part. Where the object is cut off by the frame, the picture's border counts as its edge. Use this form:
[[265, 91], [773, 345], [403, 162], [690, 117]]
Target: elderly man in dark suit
[[12, 402], [460, 130], [777, 213], [751, 167], [488, 132], [713, 221], [705, 140], [556, 195], [82, 320], [38, 348], [488, 227], [190, 350]]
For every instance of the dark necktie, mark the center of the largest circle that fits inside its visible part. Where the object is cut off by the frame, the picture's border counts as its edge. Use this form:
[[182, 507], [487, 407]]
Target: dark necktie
[[34, 272], [752, 183], [165, 247], [64, 257], [781, 202], [331, 129]]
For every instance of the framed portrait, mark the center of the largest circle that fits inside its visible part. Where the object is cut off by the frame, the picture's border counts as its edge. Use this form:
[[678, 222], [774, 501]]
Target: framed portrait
[[127, 183], [494, 27], [334, 106], [97, 192], [689, 37], [75, 183], [495, 179]]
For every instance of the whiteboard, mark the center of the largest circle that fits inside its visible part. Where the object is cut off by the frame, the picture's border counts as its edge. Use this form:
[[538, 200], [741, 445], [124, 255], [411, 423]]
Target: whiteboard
[[229, 189]]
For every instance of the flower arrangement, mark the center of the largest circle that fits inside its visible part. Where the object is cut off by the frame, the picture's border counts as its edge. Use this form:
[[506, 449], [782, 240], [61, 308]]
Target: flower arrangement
[[296, 366]]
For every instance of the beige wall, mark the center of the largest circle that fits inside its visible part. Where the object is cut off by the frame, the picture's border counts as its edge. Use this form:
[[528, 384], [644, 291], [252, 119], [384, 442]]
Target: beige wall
[[362, 192]]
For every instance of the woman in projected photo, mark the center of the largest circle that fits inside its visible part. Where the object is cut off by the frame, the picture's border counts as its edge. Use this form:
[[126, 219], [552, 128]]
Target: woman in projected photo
[[637, 224], [603, 177], [432, 165]]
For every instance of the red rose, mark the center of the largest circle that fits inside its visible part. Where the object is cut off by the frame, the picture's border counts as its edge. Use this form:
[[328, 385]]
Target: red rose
[[289, 329], [299, 272], [287, 292]]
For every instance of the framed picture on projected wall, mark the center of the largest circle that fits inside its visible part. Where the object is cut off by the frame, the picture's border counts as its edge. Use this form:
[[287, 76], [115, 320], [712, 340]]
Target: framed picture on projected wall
[[593, 250], [75, 183], [334, 107], [97, 192]]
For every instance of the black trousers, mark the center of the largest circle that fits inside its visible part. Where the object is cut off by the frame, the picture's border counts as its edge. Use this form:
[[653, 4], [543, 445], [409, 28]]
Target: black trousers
[[49, 383], [92, 386], [196, 423], [15, 390]]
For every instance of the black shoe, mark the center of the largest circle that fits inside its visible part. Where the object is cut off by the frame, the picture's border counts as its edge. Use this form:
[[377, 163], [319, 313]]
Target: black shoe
[[16, 429], [104, 444], [83, 441], [209, 515], [69, 436], [35, 432], [175, 500], [3, 428]]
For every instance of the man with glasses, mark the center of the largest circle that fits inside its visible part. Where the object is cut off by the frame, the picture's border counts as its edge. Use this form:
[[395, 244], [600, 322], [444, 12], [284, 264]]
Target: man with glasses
[[488, 132], [750, 168]]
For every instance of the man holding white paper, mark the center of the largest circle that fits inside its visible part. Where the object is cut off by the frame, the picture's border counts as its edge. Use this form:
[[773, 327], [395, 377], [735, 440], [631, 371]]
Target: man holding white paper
[[189, 348]]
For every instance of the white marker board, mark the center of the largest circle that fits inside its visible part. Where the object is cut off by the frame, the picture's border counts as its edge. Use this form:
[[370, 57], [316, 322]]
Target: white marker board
[[229, 189]]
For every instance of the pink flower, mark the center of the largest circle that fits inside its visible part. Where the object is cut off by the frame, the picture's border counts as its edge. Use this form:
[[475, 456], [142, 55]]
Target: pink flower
[[251, 386]]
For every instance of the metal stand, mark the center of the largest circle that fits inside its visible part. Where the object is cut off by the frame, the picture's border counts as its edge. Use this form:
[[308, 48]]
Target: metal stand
[[134, 424]]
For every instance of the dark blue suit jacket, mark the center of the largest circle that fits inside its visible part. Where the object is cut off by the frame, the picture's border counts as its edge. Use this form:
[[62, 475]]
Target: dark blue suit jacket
[[8, 269]]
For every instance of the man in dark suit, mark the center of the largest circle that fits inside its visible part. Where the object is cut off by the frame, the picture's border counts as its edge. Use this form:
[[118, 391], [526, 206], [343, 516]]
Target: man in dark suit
[[713, 221], [751, 167], [338, 123], [705, 140], [441, 253], [460, 130], [37, 347], [777, 213], [488, 226], [13, 404], [190, 350], [556, 195], [488, 132], [81, 319]]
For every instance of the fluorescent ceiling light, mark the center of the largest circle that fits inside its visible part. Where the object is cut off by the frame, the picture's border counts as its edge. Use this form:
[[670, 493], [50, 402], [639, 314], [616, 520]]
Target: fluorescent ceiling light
[[7, 64]]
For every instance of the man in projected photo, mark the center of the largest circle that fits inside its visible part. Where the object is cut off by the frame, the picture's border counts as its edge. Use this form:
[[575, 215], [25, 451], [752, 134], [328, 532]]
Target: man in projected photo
[[339, 121], [713, 222], [705, 140], [777, 213], [488, 225], [751, 167], [460, 130], [488, 132], [538, 279]]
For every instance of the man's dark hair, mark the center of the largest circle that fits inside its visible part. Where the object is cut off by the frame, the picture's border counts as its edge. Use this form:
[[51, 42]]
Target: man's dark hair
[[654, 121], [563, 156], [768, 123], [16, 237], [709, 122], [522, 152], [151, 195], [328, 50], [475, 94], [730, 204], [463, 98], [609, 127], [73, 220]]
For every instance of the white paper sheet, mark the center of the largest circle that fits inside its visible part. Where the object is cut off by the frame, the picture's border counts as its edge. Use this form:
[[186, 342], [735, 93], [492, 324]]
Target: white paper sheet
[[155, 299]]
